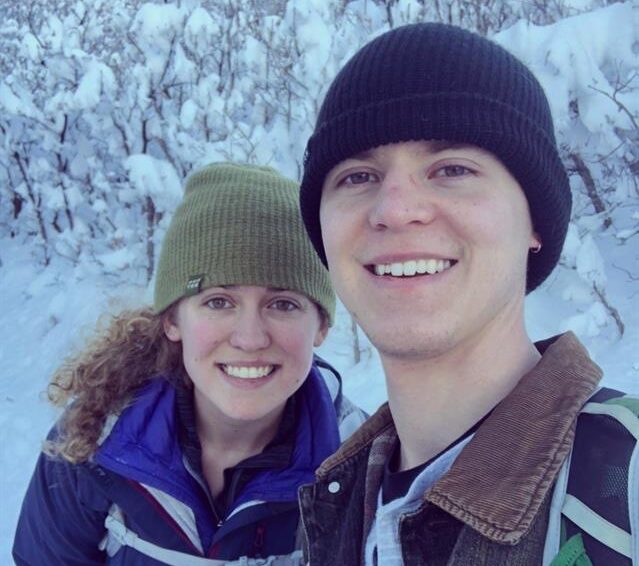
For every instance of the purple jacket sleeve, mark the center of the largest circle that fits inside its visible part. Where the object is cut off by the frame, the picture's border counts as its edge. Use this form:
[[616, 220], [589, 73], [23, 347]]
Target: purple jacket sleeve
[[62, 517]]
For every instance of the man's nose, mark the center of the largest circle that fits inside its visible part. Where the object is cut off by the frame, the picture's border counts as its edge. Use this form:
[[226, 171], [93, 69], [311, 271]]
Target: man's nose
[[400, 201]]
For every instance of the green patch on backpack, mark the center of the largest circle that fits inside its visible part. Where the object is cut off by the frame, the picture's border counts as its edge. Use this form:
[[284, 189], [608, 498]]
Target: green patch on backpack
[[572, 553]]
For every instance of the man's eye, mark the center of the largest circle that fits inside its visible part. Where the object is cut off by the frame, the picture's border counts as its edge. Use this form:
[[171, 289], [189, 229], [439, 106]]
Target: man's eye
[[217, 303], [453, 171], [283, 305], [359, 178]]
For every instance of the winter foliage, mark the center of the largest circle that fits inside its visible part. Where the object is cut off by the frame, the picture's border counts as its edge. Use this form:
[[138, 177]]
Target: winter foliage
[[105, 108], [108, 106]]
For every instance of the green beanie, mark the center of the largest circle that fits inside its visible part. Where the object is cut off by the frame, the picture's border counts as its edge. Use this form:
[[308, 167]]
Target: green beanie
[[239, 225]]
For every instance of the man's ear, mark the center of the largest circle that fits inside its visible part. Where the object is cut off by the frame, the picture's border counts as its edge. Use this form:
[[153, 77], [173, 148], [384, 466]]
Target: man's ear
[[171, 330], [535, 243]]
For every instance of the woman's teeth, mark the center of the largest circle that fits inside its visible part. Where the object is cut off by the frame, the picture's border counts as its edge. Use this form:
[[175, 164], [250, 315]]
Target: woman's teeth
[[412, 267], [244, 372]]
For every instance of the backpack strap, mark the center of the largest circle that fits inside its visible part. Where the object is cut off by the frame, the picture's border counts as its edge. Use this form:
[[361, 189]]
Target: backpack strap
[[551, 556], [118, 535], [575, 506], [625, 410], [349, 416], [596, 526]]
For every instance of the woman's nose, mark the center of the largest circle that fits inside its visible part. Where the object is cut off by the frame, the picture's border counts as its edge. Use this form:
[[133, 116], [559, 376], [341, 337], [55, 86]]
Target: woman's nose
[[250, 333]]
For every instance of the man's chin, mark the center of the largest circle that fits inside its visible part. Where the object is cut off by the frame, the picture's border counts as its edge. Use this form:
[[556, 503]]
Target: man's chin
[[409, 346]]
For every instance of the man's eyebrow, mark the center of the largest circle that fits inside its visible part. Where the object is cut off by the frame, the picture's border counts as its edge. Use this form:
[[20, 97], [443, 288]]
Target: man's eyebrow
[[437, 146], [434, 146], [363, 155]]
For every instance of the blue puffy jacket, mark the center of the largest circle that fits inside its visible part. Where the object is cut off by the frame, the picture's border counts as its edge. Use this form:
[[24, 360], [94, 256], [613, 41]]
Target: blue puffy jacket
[[139, 485]]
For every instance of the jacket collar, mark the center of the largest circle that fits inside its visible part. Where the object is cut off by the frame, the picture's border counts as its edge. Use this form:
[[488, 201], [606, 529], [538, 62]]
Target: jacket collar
[[499, 481], [144, 444]]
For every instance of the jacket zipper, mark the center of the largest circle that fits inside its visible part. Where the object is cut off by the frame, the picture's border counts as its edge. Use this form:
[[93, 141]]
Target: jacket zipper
[[219, 521], [230, 494]]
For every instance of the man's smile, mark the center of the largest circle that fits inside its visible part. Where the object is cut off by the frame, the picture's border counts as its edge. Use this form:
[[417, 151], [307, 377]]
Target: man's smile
[[411, 267]]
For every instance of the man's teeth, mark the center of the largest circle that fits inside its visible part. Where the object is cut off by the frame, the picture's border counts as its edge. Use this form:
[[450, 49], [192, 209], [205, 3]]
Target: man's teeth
[[412, 267], [244, 372]]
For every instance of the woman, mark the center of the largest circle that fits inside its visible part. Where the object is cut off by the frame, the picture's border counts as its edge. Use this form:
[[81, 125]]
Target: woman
[[191, 426]]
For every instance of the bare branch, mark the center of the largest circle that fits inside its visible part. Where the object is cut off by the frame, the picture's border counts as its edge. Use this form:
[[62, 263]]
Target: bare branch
[[614, 313], [586, 176], [620, 105]]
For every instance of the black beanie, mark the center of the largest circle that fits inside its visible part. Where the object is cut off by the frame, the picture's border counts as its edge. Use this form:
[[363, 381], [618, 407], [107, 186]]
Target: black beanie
[[438, 82]]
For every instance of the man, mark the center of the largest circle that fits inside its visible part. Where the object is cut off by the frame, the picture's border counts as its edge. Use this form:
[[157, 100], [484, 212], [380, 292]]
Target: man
[[434, 192]]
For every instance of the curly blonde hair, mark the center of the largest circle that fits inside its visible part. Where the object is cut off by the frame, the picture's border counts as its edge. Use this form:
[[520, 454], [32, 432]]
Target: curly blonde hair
[[102, 379]]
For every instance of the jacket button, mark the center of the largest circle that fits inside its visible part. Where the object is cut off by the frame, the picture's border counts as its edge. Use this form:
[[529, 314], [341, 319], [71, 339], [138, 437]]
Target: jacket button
[[334, 487]]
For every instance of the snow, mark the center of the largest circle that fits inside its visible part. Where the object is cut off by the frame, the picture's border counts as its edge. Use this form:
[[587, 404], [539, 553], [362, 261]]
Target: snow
[[153, 177], [54, 33], [188, 113], [155, 24], [14, 103], [199, 27], [590, 265], [98, 77], [47, 313], [574, 51]]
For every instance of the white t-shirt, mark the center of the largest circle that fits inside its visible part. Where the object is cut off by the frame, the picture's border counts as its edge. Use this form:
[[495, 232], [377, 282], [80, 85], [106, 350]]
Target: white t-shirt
[[383, 546]]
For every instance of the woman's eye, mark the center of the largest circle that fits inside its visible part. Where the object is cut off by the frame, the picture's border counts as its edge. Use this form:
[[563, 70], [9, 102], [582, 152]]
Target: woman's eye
[[283, 305], [453, 171], [359, 178], [218, 303]]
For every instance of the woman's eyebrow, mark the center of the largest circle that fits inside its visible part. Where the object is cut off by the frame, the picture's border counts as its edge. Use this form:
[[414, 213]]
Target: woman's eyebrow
[[272, 289]]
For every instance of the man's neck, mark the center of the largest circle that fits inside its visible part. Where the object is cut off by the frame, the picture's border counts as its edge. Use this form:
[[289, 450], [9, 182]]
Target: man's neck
[[435, 400]]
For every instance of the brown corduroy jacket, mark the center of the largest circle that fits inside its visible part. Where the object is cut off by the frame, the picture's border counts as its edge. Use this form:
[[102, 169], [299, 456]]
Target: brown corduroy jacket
[[491, 507]]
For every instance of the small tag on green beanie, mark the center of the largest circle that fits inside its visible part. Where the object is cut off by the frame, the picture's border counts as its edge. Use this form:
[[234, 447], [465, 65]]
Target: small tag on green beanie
[[193, 285]]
